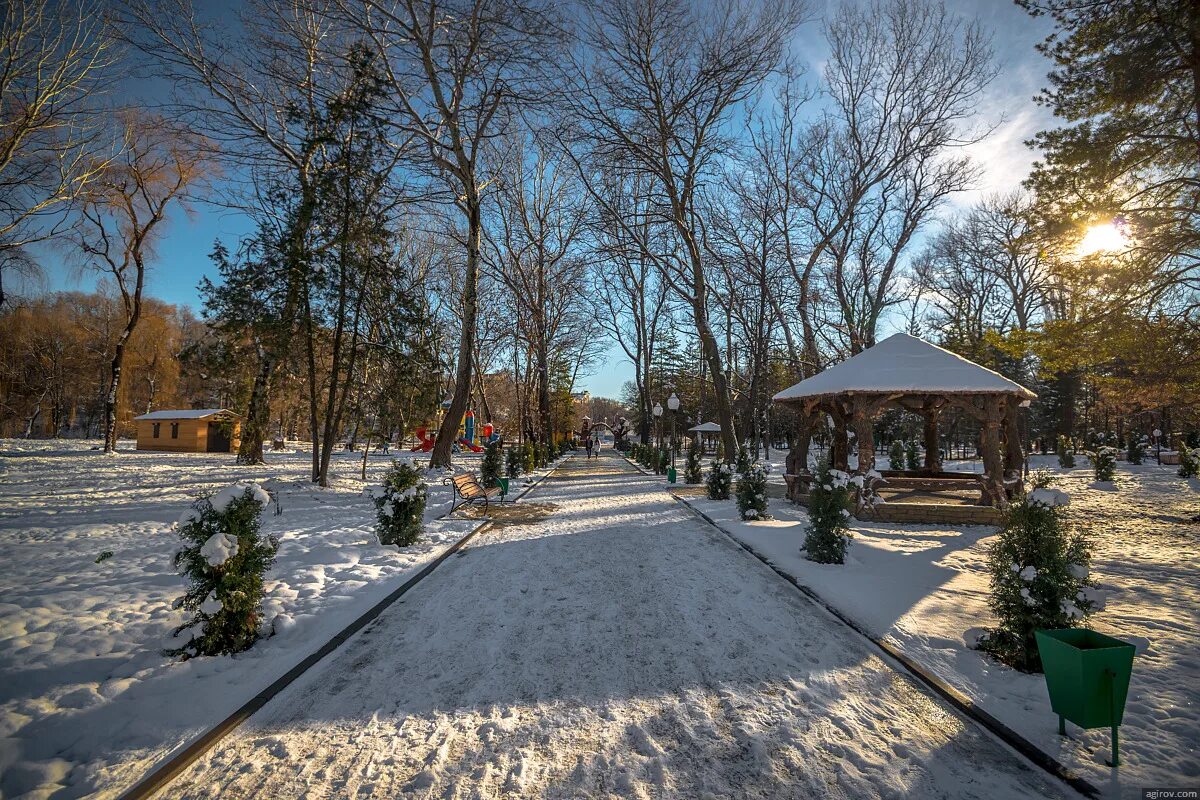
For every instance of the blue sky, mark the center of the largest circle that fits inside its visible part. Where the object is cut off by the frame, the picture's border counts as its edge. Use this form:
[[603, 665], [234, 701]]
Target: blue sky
[[182, 251]]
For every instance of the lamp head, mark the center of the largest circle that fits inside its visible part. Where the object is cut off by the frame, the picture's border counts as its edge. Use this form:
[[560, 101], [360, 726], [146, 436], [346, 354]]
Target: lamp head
[[673, 402], [658, 409]]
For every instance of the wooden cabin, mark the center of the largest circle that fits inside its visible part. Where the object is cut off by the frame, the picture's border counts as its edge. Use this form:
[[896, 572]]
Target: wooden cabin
[[196, 430]]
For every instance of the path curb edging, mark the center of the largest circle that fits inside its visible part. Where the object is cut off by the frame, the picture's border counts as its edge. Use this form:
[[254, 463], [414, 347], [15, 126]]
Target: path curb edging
[[168, 770], [960, 701]]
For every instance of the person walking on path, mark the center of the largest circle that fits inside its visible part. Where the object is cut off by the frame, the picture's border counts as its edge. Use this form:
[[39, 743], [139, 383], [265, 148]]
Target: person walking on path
[[588, 444]]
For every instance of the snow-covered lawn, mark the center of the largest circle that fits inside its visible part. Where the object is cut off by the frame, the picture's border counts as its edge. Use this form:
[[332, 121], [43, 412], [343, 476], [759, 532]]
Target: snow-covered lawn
[[87, 700], [923, 587]]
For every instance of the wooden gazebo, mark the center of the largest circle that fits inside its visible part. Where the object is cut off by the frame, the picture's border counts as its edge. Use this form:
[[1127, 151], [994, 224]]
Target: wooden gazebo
[[910, 373]]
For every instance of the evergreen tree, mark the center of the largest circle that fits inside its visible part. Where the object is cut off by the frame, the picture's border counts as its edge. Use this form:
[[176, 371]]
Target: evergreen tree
[[400, 506], [224, 558], [528, 458], [828, 532], [514, 460], [489, 469], [911, 456], [1039, 577], [1189, 462], [1066, 459], [1135, 451], [720, 480], [752, 492], [693, 471], [1104, 463], [896, 455]]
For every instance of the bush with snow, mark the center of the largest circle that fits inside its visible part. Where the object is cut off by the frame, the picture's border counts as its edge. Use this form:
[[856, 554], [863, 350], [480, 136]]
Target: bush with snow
[[1062, 447], [489, 468], [513, 461], [1104, 463], [528, 458], [400, 505], [911, 459], [896, 455], [693, 470], [1135, 452], [752, 492], [1189, 462], [224, 559], [828, 532], [720, 480], [1038, 575]]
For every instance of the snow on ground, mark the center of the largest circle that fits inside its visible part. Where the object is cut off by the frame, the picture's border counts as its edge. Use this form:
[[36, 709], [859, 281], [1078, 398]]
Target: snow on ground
[[87, 701], [924, 587], [617, 648]]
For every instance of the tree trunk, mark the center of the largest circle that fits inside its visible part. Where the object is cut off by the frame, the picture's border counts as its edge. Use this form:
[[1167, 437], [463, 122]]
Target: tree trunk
[[865, 433], [933, 452], [440, 457], [254, 430]]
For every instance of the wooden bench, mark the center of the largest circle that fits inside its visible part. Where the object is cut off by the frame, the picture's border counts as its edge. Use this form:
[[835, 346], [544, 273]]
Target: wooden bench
[[468, 489]]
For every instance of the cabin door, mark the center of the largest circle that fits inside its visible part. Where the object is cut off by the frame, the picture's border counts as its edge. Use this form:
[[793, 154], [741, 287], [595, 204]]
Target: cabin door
[[218, 437]]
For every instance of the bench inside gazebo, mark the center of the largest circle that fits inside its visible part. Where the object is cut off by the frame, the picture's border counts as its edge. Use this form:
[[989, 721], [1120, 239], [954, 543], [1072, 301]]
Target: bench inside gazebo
[[907, 372]]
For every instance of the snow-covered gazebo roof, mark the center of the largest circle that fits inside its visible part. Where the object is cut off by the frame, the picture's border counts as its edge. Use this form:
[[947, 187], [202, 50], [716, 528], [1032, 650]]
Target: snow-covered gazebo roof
[[705, 427], [904, 364]]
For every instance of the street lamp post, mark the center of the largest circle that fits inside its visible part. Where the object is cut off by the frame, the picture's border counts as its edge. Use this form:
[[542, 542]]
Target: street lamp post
[[658, 411], [673, 404], [1158, 445]]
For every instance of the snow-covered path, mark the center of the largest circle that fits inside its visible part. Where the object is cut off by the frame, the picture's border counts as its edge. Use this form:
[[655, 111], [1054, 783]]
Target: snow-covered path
[[616, 648]]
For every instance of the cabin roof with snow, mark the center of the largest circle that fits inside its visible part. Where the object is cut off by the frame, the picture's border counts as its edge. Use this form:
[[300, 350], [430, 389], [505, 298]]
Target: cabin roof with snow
[[705, 427], [185, 413], [904, 364]]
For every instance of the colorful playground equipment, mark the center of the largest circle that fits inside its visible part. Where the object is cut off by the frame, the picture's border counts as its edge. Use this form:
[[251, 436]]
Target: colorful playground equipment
[[466, 435]]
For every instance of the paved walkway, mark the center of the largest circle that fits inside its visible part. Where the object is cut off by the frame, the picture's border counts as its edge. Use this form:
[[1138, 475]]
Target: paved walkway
[[616, 648]]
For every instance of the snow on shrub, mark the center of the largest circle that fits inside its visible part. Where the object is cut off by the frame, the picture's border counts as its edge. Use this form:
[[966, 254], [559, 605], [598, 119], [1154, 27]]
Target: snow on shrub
[[400, 505], [1189, 462], [693, 470], [224, 558], [910, 455], [828, 532], [720, 479], [896, 455], [1038, 575], [489, 468], [1104, 463], [1062, 448], [752, 492], [528, 458]]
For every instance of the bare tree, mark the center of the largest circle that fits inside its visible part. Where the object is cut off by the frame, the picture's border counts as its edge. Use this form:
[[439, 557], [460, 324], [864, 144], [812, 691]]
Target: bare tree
[[455, 70], [120, 215], [54, 58], [652, 88]]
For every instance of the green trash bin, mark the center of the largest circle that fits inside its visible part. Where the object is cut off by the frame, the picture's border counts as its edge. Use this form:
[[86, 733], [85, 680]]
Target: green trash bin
[[503, 487], [671, 474], [1087, 677]]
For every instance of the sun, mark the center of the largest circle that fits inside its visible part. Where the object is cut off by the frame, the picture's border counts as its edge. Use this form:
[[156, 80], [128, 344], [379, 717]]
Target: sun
[[1106, 237]]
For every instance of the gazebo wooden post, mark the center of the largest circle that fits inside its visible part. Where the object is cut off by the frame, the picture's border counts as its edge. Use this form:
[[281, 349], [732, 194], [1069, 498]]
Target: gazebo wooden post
[[1014, 455], [861, 415], [991, 420], [931, 409], [839, 448]]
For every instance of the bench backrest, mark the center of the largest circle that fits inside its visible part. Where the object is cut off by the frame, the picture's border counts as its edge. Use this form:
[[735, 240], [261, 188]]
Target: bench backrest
[[467, 485]]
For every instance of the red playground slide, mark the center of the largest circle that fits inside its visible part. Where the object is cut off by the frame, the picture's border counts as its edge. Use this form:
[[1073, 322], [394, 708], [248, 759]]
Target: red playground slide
[[474, 448], [426, 442]]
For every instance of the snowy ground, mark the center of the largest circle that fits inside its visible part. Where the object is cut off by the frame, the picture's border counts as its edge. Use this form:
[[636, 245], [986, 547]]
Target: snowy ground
[[617, 648], [924, 586], [87, 701]]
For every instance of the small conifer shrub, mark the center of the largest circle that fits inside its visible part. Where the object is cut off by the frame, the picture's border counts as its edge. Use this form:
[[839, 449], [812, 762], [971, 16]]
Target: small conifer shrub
[[489, 468], [1104, 463], [828, 532], [1062, 447], [400, 506], [752, 492], [224, 558], [513, 459], [896, 455], [1189, 462], [1038, 569], [1135, 452], [911, 455], [693, 470], [720, 480]]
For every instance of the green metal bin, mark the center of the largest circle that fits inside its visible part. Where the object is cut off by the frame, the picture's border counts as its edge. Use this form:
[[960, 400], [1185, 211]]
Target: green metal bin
[[1087, 677]]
